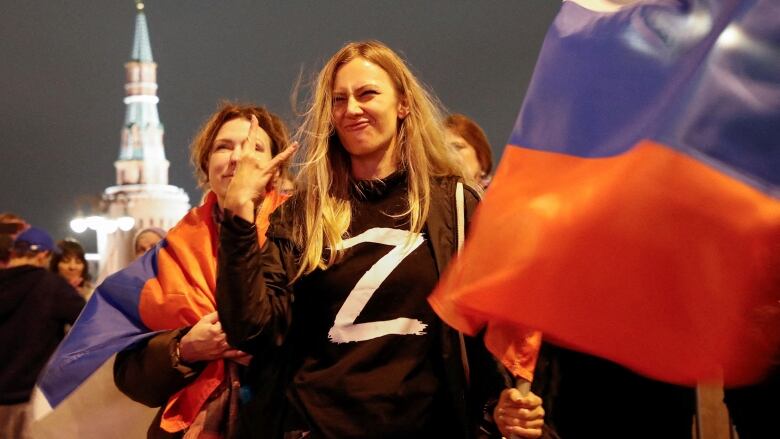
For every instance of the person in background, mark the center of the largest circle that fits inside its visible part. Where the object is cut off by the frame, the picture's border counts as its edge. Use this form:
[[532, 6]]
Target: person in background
[[335, 302], [35, 307], [472, 145], [146, 239], [70, 262]]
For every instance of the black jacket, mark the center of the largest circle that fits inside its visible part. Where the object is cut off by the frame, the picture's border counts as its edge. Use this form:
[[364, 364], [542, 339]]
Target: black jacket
[[35, 306], [255, 308]]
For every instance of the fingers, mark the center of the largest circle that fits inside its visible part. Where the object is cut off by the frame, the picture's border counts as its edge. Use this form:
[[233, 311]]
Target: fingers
[[282, 157], [516, 398], [511, 426], [520, 432], [232, 353], [249, 144], [527, 419], [519, 415]]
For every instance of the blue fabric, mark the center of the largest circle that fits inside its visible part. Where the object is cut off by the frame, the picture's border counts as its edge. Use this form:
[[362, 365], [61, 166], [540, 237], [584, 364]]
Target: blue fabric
[[109, 323], [701, 76]]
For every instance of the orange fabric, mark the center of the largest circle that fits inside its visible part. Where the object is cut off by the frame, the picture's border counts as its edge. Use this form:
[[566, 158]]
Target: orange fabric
[[515, 346], [651, 259], [183, 292]]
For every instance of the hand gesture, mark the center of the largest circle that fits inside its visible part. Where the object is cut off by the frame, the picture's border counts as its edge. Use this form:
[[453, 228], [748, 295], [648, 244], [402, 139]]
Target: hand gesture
[[519, 416], [254, 176]]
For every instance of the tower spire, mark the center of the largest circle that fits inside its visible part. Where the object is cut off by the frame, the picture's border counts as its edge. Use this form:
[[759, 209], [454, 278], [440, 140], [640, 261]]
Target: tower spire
[[142, 190], [142, 155], [142, 49]]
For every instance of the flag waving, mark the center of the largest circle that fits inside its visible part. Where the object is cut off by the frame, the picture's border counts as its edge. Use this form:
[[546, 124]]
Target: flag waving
[[640, 191]]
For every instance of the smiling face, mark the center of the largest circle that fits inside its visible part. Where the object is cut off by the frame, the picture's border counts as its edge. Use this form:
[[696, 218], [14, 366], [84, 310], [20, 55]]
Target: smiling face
[[226, 151], [71, 268], [366, 112]]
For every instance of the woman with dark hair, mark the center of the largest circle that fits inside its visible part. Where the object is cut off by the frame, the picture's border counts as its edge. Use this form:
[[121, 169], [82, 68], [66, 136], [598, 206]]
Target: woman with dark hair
[[349, 345], [471, 143], [70, 262]]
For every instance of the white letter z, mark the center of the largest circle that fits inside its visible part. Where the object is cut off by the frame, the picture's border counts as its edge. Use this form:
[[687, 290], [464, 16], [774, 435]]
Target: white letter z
[[344, 328]]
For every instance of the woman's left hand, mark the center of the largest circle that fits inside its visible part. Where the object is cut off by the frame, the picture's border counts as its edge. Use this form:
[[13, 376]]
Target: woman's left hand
[[519, 416]]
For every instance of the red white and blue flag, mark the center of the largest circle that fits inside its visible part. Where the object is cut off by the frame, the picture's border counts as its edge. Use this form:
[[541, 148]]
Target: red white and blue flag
[[635, 212], [170, 287]]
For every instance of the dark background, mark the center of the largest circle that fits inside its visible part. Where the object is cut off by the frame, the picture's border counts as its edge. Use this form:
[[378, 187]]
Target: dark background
[[62, 76]]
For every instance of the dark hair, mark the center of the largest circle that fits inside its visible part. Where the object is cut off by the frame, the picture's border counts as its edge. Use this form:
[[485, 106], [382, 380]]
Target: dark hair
[[69, 248], [472, 133], [200, 150]]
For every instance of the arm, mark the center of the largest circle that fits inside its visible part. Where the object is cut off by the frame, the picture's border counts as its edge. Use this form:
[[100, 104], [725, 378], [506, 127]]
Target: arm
[[514, 414], [151, 371], [253, 296]]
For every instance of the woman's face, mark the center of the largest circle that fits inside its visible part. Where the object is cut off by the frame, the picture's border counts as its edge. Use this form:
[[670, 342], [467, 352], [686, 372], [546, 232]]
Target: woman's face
[[366, 109], [466, 153], [226, 151], [71, 268]]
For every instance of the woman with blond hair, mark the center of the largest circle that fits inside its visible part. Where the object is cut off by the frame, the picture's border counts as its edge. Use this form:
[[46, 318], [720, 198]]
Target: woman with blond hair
[[335, 301]]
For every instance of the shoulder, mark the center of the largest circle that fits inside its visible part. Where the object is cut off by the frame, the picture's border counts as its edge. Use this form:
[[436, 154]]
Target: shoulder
[[57, 284], [281, 220], [444, 187]]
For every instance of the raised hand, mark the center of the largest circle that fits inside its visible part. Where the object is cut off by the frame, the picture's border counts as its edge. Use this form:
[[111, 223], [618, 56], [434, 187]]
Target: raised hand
[[254, 176]]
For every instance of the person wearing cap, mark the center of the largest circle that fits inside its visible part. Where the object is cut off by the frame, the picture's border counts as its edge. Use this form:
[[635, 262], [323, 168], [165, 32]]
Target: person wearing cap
[[35, 307]]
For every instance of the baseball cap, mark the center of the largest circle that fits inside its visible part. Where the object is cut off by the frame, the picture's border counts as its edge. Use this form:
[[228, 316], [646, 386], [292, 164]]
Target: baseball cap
[[34, 239]]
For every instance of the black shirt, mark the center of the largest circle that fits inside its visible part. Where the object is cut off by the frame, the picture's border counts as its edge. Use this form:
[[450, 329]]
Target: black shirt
[[35, 306], [370, 365]]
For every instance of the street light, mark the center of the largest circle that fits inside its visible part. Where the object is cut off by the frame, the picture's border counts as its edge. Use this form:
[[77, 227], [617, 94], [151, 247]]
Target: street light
[[100, 223]]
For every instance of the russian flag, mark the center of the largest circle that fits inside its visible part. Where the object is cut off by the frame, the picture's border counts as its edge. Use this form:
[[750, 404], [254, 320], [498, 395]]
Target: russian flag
[[78, 380], [169, 287], [635, 213]]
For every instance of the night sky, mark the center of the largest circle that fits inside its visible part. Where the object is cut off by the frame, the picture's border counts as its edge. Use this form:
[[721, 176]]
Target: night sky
[[62, 76]]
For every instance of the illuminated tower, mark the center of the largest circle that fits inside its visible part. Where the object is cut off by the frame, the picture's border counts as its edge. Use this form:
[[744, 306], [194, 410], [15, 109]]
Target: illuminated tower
[[142, 190]]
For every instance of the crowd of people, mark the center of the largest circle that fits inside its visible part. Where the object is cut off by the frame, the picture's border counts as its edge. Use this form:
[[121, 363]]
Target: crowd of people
[[306, 303]]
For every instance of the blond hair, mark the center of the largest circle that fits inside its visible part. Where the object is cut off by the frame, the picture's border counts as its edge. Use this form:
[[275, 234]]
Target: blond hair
[[322, 221]]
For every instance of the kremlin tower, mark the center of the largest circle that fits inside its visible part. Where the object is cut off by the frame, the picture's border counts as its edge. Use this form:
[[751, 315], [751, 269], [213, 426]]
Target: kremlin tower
[[142, 191]]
